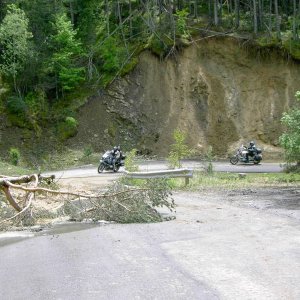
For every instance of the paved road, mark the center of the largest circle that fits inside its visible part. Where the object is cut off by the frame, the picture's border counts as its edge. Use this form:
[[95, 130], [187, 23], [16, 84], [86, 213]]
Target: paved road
[[219, 247], [91, 171]]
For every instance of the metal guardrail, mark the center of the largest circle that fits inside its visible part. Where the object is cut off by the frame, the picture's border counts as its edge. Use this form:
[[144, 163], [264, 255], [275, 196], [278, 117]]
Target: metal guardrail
[[186, 173]]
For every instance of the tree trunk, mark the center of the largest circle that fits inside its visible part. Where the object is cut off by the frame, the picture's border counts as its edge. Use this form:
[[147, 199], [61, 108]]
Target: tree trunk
[[216, 15], [221, 12], [121, 25], [130, 19], [278, 34], [270, 18], [229, 7], [237, 13], [294, 20], [254, 16], [210, 12], [196, 8], [107, 16], [260, 14], [190, 7], [72, 12]]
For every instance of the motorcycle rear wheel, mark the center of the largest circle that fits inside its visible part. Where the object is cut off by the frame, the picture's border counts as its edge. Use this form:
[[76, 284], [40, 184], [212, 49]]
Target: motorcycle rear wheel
[[101, 168], [234, 160]]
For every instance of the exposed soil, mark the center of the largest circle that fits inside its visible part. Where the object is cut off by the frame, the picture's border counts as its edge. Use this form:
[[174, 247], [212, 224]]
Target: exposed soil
[[220, 92]]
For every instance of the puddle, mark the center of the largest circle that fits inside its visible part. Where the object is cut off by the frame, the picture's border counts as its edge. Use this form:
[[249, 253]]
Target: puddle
[[11, 237], [67, 228]]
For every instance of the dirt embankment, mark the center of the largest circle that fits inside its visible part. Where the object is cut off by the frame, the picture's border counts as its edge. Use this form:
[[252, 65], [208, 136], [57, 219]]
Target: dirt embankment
[[219, 91]]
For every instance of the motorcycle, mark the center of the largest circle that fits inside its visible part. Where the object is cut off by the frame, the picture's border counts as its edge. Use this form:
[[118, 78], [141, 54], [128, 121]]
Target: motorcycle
[[107, 162], [241, 156]]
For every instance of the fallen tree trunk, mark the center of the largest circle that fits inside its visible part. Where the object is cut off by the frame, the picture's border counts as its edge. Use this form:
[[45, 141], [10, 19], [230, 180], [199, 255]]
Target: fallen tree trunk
[[7, 182], [24, 179], [16, 180], [121, 203]]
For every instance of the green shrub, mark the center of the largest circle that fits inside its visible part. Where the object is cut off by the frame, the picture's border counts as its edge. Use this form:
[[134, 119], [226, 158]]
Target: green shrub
[[68, 128], [16, 110], [37, 110], [293, 47], [87, 151], [179, 149], [290, 139], [14, 156], [181, 23], [160, 45], [112, 55], [130, 164], [208, 160]]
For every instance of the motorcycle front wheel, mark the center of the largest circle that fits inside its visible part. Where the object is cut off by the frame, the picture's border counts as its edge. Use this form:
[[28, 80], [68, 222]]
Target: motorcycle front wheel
[[101, 168], [116, 168], [234, 160]]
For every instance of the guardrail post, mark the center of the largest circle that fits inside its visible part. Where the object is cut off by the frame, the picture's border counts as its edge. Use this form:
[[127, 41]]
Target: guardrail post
[[187, 180]]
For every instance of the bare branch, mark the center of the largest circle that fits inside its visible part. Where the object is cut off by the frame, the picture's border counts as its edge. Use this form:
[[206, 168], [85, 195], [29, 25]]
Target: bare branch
[[21, 212], [10, 198]]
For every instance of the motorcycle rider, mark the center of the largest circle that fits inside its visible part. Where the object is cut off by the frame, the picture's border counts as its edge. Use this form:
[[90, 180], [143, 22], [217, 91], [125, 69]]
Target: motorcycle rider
[[251, 150], [116, 154]]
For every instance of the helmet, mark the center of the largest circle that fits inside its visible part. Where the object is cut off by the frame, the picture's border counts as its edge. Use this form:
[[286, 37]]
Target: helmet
[[251, 143], [115, 148], [119, 148]]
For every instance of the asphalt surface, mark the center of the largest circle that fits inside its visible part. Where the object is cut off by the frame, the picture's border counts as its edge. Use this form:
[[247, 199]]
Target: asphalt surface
[[91, 171], [221, 246]]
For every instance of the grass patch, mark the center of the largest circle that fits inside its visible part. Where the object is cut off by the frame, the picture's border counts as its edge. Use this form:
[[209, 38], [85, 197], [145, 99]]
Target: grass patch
[[11, 170], [220, 181], [235, 181], [59, 160], [66, 159]]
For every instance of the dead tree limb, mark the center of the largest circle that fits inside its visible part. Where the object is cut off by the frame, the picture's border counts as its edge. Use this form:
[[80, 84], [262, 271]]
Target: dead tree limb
[[10, 198], [39, 189], [22, 211]]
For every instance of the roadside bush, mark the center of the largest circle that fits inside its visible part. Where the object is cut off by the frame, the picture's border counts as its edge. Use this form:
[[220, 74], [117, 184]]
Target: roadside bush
[[130, 164], [290, 139], [87, 151], [87, 154], [14, 156], [208, 166], [179, 149]]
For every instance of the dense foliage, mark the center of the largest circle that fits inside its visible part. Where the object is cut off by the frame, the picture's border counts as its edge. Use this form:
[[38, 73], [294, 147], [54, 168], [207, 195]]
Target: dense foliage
[[290, 139], [55, 51]]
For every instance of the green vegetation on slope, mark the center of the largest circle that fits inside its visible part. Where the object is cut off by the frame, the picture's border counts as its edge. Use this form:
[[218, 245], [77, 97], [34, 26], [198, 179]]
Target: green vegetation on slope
[[290, 139]]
